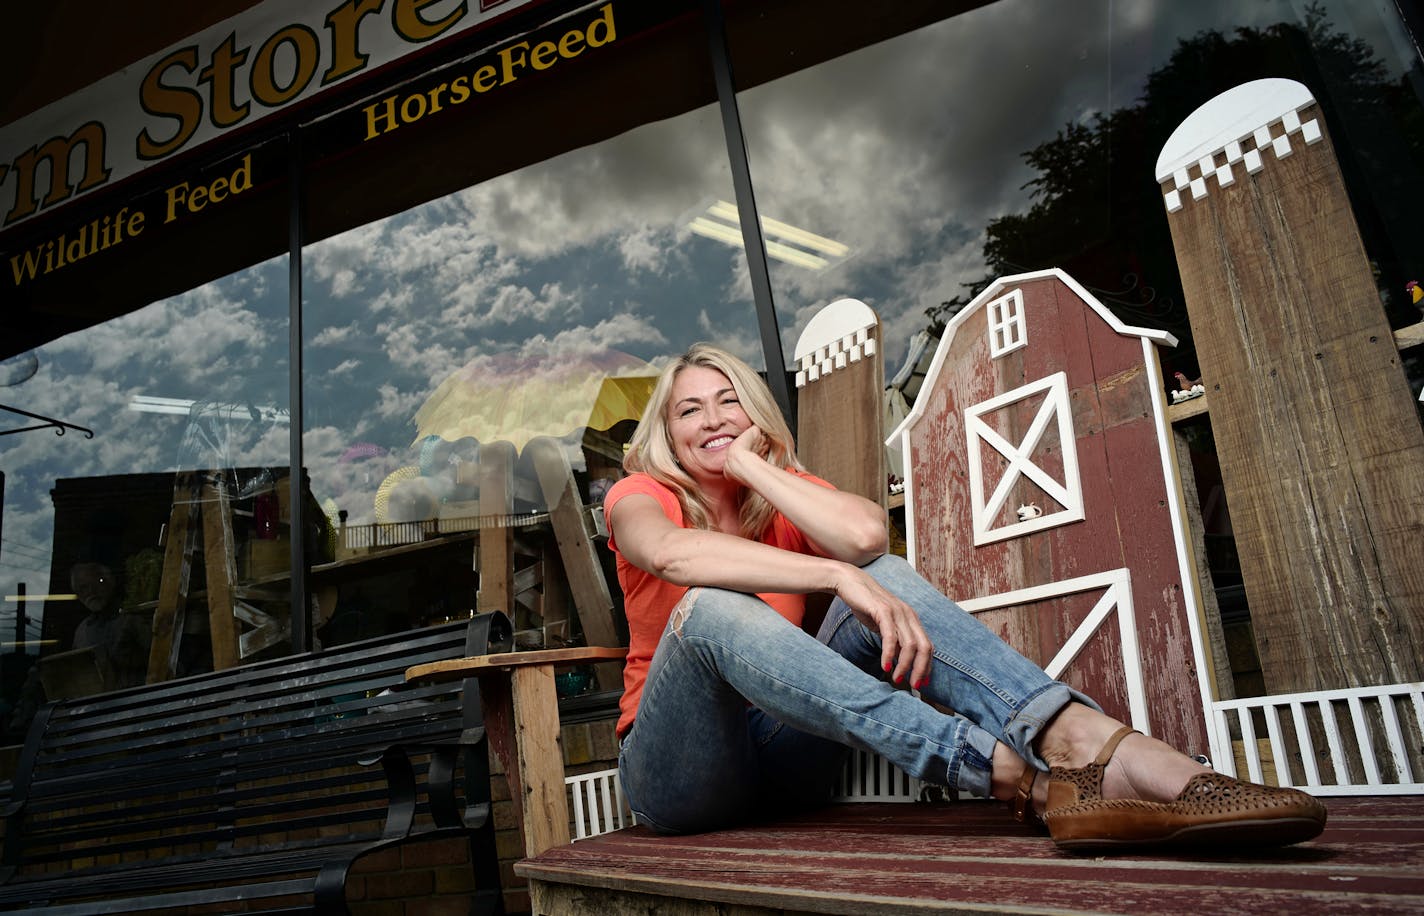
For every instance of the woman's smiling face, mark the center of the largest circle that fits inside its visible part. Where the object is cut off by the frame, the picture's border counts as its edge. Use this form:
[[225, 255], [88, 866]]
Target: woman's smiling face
[[704, 416]]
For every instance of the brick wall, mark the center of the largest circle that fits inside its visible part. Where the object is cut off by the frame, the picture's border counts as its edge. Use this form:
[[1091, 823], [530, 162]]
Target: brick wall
[[429, 878]]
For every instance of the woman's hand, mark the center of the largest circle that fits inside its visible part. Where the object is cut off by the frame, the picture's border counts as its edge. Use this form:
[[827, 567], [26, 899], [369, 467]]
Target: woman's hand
[[905, 646], [751, 443]]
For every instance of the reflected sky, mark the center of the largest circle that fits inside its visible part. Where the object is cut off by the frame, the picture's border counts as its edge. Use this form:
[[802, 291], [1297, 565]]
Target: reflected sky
[[904, 151]]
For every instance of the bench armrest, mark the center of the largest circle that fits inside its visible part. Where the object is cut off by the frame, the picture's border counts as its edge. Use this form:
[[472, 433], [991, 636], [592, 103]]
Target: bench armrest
[[397, 761]]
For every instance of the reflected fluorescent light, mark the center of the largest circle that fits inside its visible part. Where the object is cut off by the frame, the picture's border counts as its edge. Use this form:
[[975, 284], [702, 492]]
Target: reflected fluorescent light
[[12, 644], [784, 241], [41, 597], [149, 404]]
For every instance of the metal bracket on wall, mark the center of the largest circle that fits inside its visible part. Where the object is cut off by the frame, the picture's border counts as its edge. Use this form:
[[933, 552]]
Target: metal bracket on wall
[[46, 422]]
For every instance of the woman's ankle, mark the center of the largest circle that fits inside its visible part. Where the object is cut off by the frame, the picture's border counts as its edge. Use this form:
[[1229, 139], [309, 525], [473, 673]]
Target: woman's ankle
[[1074, 736], [1141, 767], [1006, 769]]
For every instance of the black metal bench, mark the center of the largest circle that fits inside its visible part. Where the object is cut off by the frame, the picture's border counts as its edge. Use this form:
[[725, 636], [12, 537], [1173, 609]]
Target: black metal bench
[[253, 784]]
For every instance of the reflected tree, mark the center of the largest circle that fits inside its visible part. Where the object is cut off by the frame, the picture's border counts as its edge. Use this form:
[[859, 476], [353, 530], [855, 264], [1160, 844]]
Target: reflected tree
[[1097, 210]]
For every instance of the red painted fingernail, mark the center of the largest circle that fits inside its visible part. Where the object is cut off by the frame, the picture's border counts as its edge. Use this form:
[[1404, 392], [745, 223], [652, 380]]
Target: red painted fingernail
[[899, 678], [888, 666], [922, 683]]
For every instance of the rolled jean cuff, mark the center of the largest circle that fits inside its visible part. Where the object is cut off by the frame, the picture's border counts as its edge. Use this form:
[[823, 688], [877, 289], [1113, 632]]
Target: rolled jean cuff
[[971, 771], [1023, 727]]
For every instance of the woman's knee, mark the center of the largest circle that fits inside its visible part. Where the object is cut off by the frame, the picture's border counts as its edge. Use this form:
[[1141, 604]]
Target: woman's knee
[[889, 562], [704, 607], [896, 574]]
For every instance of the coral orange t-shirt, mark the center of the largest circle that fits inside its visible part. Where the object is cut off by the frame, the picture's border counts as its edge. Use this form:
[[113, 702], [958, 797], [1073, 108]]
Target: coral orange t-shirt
[[648, 601]]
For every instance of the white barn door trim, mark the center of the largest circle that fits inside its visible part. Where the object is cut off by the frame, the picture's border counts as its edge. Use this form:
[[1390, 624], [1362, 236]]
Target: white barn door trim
[[1117, 596], [1055, 412]]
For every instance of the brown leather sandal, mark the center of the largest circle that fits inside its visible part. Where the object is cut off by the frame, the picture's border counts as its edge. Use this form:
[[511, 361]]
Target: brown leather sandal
[[1023, 802], [1022, 805], [1212, 809]]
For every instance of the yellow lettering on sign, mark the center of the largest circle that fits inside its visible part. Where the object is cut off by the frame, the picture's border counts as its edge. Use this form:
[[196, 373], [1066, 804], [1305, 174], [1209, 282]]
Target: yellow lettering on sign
[[263, 79], [387, 114], [218, 74], [344, 23], [410, 25], [459, 94], [571, 45], [605, 35], [75, 245], [435, 97], [509, 58], [57, 152], [486, 78], [381, 117], [544, 55], [412, 113], [183, 198], [181, 104]]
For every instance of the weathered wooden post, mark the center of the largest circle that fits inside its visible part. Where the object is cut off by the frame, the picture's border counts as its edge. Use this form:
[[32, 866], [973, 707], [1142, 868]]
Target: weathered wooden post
[[840, 381], [1321, 451]]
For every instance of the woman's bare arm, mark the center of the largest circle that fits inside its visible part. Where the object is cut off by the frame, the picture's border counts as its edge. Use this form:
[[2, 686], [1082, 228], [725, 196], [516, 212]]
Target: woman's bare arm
[[841, 525], [648, 539]]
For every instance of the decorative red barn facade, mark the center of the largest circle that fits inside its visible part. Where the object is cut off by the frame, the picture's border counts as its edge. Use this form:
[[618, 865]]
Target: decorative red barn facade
[[1042, 494]]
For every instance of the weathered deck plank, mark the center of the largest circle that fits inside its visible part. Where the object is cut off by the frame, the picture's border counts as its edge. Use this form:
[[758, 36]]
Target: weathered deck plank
[[970, 857]]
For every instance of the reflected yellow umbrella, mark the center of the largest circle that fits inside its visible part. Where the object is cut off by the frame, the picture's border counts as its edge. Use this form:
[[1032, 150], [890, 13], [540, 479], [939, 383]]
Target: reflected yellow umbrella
[[516, 398]]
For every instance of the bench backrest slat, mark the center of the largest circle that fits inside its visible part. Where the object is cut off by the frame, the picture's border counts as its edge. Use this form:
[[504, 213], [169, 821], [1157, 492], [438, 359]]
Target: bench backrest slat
[[260, 756]]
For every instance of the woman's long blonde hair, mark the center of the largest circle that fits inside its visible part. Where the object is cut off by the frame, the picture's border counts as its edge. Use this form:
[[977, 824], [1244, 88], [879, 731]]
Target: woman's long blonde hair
[[651, 452]]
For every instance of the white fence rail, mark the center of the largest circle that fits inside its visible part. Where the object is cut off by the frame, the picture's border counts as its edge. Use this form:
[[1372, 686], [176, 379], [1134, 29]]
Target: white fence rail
[[394, 534], [597, 803], [871, 778], [598, 806], [1356, 741]]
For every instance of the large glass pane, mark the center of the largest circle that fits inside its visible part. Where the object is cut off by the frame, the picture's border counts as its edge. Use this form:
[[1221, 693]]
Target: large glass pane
[[476, 363], [1021, 135], [187, 403]]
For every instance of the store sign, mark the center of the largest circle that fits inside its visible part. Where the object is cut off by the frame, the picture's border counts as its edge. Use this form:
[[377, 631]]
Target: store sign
[[489, 72], [178, 201], [229, 76], [170, 206]]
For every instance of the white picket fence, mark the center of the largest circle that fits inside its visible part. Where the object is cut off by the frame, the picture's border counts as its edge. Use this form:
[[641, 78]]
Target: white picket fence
[[598, 806], [597, 803], [871, 778], [1373, 739]]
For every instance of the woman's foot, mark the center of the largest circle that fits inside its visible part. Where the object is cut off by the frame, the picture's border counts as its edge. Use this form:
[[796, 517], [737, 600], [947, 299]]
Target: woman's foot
[[1143, 768]]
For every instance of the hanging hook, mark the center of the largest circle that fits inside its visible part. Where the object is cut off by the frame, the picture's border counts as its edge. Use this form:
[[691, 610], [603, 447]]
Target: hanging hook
[[46, 422]]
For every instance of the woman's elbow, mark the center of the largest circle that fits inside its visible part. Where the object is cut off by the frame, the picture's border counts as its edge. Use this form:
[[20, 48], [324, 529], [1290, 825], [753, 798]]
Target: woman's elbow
[[869, 540], [669, 565]]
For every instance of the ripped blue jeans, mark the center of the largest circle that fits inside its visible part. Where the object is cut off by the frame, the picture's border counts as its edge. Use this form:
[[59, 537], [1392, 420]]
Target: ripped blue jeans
[[744, 714]]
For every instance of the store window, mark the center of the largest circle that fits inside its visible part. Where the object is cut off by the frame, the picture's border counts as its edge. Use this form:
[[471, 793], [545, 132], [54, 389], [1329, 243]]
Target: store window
[[475, 364], [187, 401], [1021, 135]]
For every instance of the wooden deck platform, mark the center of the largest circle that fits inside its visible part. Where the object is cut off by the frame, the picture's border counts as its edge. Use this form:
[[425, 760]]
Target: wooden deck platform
[[969, 857]]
